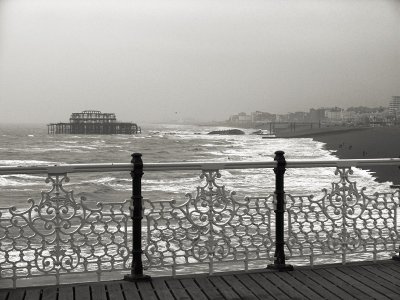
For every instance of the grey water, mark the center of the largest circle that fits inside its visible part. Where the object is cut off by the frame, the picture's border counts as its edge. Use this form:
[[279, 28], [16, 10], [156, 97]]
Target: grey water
[[25, 145]]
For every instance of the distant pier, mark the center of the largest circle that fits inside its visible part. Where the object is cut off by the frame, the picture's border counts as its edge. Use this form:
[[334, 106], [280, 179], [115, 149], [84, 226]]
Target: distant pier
[[93, 122]]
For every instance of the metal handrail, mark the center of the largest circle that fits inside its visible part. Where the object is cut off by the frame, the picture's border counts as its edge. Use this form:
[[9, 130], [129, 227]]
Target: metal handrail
[[180, 166], [54, 201]]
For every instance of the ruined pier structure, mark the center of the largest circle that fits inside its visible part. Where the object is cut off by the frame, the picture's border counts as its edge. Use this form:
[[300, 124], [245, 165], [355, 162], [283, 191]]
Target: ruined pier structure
[[93, 122]]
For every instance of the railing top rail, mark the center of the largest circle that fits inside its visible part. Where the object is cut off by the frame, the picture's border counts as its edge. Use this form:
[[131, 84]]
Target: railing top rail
[[66, 168], [181, 166], [271, 164], [343, 163]]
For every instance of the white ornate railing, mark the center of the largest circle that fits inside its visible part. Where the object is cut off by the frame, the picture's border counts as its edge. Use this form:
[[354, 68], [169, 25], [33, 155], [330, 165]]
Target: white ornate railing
[[59, 235], [211, 226], [344, 221]]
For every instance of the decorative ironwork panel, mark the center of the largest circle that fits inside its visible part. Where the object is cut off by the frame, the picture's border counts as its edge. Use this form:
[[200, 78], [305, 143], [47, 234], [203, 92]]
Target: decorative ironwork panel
[[344, 221], [210, 227], [58, 235]]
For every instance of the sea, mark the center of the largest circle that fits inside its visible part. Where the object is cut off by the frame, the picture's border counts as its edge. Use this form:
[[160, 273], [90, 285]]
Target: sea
[[31, 145]]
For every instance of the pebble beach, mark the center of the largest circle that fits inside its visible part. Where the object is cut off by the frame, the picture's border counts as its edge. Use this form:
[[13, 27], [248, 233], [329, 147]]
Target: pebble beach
[[360, 143]]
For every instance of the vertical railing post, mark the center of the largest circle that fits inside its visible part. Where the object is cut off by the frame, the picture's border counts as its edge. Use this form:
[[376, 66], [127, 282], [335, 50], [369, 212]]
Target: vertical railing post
[[397, 255], [279, 170], [137, 216], [397, 187]]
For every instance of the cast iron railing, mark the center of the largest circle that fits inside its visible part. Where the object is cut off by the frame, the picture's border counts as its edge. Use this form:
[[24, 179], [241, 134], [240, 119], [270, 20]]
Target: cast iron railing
[[59, 235]]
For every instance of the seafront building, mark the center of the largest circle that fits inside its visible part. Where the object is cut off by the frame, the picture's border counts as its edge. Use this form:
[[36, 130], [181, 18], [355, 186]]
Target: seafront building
[[353, 116], [394, 106], [93, 122]]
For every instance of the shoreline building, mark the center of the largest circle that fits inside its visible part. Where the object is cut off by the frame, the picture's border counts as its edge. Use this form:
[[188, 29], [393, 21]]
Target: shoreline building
[[93, 122], [394, 106]]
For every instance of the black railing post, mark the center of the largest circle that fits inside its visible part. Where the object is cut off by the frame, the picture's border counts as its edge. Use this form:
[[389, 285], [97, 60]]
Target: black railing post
[[279, 170], [397, 256], [397, 187], [137, 216]]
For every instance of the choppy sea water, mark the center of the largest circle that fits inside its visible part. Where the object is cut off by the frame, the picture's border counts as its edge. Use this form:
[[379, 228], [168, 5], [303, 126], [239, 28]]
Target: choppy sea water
[[31, 145]]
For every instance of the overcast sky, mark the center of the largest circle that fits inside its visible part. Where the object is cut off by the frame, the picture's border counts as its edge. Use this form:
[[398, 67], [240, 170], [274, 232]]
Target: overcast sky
[[155, 60]]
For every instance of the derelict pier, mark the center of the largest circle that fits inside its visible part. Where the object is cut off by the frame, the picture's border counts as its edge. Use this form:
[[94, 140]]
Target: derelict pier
[[93, 122]]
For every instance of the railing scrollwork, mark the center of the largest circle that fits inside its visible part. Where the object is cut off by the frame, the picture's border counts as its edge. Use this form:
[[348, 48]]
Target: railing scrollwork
[[344, 221], [207, 228], [58, 235], [211, 226]]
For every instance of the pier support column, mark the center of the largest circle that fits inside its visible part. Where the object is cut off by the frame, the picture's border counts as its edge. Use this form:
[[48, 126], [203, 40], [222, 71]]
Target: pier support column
[[136, 209], [279, 262]]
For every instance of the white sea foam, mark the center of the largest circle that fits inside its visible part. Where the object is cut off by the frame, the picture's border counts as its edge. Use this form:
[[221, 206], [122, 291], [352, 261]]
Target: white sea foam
[[172, 143], [80, 147], [21, 180], [16, 162], [102, 180]]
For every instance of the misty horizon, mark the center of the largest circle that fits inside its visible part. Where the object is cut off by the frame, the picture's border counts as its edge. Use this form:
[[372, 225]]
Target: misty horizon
[[156, 61], [178, 119]]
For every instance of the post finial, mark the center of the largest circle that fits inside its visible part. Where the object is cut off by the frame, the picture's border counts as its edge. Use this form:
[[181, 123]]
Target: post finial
[[279, 153], [137, 159], [280, 158]]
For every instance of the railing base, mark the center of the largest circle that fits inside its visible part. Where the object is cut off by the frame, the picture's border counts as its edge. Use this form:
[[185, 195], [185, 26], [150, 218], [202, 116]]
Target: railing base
[[396, 257], [134, 278], [280, 268]]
